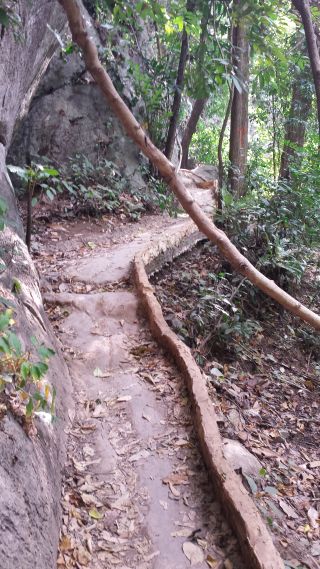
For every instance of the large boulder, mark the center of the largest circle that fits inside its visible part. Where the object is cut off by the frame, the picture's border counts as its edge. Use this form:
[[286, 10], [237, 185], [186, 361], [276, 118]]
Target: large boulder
[[30, 468], [69, 117]]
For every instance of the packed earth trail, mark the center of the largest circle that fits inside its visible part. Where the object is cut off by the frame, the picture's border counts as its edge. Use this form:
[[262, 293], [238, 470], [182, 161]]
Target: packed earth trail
[[136, 492]]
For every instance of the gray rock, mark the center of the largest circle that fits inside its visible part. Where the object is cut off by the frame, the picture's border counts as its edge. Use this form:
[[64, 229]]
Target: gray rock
[[239, 457]]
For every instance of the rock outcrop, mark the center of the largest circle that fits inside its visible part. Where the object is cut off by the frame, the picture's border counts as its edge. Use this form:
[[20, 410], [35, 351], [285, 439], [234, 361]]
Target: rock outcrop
[[30, 469]]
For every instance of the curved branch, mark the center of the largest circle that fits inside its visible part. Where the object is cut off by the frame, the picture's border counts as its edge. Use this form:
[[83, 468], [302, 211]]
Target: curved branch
[[169, 174]]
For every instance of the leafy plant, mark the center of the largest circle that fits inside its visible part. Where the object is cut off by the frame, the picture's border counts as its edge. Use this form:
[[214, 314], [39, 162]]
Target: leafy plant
[[23, 386], [45, 179]]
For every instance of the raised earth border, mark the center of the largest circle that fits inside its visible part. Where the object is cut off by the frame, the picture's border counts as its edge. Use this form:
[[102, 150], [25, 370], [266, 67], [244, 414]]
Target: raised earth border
[[255, 540]]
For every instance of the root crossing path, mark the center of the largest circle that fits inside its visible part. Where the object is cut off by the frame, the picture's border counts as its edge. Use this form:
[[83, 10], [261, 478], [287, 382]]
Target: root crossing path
[[136, 493]]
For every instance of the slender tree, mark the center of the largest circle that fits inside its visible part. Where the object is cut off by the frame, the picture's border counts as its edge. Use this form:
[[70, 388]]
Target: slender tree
[[200, 102], [239, 110], [220, 145], [178, 88], [303, 7], [295, 126], [191, 127]]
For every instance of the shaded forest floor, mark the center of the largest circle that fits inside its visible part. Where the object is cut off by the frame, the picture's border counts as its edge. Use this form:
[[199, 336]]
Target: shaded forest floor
[[264, 378]]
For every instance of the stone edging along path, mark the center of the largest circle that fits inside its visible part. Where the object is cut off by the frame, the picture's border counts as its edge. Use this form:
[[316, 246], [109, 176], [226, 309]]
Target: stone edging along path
[[254, 537]]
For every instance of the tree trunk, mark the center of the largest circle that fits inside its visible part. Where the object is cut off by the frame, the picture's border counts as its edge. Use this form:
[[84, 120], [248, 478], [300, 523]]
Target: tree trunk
[[220, 144], [30, 470], [295, 126], [303, 7], [178, 89], [239, 113], [168, 172], [191, 128]]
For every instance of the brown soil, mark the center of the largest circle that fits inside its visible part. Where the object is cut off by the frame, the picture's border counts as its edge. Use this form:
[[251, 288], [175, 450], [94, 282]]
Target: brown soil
[[265, 388]]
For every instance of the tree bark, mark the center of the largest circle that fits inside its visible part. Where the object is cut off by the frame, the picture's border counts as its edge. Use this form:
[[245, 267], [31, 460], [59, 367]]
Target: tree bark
[[239, 113], [178, 89], [295, 126], [303, 7], [191, 128], [168, 172]]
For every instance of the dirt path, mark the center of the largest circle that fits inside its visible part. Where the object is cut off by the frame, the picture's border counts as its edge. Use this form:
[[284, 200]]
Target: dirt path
[[136, 493]]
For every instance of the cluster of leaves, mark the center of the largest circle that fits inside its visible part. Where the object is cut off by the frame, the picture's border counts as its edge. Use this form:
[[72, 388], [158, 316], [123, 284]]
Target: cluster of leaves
[[8, 16], [96, 188], [218, 320], [22, 381], [275, 228]]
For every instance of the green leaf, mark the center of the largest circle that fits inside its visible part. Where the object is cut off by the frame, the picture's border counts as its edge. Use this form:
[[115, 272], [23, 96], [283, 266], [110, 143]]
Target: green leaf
[[51, 172], [29, 408], [4, 18], [50, 195], [21, 172], [5, 318], [38, 370], [4, 346], [16, 286], [95, 514], [14, 343], [25, 370], [45, 353]]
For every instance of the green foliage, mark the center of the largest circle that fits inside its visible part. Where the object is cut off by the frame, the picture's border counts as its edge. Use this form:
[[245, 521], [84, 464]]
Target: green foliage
[[275, 226], [9, 17], [153, 86], [23, 387], [38, 176]]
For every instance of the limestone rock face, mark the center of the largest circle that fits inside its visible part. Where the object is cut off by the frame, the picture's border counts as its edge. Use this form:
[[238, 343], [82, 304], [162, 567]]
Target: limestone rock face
[[69, 116]]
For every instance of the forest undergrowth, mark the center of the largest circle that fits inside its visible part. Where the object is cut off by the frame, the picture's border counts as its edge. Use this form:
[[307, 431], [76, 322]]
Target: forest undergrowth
[[263, 373]]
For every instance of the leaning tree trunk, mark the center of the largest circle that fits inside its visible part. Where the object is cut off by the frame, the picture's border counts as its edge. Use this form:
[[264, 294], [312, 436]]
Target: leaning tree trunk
[[30, 469], [239, 112], [295, 126], [169, 174], [178, 89], [190, 129], [303, 7]]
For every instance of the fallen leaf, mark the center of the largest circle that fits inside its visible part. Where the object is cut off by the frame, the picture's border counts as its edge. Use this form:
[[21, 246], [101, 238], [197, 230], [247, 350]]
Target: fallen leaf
[[139, 455], [95, 514], [99, 373], [146, 417], [90, 500], [193, 552], [288, 509], [99, 411], [185, 532], [315, 549], [124, 398], [176, 479], [213, 562], [264, 452], [314, 464], [65, 543], [83, 556], [313, 517]]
